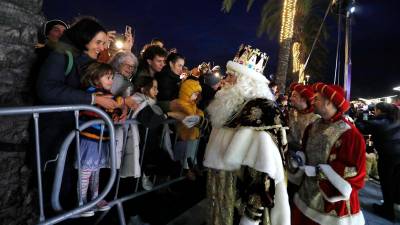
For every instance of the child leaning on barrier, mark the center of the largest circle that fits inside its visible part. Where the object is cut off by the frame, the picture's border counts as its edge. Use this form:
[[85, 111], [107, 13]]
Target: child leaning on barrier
[[150, 116], [188, 129], [94, 141]]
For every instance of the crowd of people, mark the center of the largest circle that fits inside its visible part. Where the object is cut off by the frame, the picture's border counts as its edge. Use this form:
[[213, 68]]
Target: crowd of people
[[258, 137]]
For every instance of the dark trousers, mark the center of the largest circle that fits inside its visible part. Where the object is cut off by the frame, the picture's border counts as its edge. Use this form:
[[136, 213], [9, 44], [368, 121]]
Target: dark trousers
[[389, 175]]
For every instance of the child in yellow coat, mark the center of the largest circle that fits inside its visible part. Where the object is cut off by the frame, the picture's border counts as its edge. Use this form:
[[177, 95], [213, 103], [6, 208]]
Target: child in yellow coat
[[188, 130]]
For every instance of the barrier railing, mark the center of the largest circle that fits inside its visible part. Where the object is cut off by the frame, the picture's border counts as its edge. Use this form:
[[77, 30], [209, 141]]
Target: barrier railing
[[35, 111], [61, 159]]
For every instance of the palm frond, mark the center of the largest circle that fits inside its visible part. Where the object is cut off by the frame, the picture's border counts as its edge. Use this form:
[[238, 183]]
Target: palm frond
[[270, 19], [227, 5], [249, 4]]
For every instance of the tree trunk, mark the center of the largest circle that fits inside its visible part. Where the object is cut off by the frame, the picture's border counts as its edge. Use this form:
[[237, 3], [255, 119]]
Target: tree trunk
[[19, 22], [283, 64]]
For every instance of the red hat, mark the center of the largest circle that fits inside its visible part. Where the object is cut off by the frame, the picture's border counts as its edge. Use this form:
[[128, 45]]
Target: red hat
[[335, 94], [305, 91]]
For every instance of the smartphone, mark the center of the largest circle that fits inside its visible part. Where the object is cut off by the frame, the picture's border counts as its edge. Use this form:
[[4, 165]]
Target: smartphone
[[128, 29]]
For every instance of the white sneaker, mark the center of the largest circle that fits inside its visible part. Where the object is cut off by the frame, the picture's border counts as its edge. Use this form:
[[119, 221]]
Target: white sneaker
[[103, 206], [146, 183], [88, 213]]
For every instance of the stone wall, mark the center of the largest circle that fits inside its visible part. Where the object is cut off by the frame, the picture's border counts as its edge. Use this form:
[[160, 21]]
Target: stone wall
[[19, 22]]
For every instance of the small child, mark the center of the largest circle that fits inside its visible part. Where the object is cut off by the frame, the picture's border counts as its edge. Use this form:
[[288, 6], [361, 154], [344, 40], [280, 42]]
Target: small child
[[94, 156], [188, 130], [150, 116]]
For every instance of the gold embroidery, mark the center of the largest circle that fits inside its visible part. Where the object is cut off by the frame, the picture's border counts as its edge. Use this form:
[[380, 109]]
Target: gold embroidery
[[255, 114], [350, 172], [338, 143], [333, 213], [332, 157]]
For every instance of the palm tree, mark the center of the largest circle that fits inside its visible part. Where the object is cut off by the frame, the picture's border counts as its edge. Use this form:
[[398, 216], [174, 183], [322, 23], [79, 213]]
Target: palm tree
[[19, 22], [295, 23]]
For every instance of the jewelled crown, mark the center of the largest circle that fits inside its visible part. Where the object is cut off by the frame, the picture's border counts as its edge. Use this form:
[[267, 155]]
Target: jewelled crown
[[251, 58]]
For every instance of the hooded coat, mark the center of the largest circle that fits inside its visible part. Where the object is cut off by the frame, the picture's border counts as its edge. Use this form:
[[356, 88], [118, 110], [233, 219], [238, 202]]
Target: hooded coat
[[189, 107]]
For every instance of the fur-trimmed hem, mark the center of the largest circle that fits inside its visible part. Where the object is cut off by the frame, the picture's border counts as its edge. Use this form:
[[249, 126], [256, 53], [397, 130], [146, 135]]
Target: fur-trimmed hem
[[324, 218]]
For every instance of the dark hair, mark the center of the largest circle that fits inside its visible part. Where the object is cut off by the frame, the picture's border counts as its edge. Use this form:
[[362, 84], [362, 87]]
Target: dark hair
[[83, 31], [153, 51], [173, 57], [155, 40], [150, 52], [145, 83], [94, 72], [272, 84], [390, 111]]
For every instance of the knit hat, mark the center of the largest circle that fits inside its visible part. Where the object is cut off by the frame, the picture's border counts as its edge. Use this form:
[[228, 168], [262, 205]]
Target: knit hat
[[305, 91], [335, 94], [50, 24]]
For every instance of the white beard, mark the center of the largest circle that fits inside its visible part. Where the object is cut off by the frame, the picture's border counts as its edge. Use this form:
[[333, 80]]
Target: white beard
[[230, 99]]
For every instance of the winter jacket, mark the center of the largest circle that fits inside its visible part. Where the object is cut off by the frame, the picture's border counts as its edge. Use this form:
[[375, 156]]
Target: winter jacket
[[189, 107], [54, 87], [168, 87], [385, 135]]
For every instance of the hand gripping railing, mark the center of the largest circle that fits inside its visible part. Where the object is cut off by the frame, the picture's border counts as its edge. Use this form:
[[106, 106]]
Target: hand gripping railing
[[36, 110]]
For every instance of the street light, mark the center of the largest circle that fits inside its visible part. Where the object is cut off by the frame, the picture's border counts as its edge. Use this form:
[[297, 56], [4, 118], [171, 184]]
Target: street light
[[307, 79], [352, 9]]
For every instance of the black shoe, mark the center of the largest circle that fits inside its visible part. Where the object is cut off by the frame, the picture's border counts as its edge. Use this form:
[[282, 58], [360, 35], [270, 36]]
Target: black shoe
[[383, 211]]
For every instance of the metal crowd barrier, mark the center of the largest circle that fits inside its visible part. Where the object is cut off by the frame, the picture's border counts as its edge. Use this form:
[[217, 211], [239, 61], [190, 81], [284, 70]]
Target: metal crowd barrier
[[35, 111], [119, 201]]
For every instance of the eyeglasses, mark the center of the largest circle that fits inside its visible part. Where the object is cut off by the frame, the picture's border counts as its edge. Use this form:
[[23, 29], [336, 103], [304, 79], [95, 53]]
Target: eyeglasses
[[129, 66]]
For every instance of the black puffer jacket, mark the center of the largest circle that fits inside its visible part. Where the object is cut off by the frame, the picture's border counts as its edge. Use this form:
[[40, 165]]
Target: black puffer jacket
[[168, 87], [385, 134]]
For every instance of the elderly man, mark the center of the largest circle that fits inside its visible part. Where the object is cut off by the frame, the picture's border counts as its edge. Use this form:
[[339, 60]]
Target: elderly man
[[243, 152], [333, 164]]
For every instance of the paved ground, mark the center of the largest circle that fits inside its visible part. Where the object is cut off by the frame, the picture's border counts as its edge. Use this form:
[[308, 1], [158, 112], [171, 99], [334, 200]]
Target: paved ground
[[185, 204], [370, 194]]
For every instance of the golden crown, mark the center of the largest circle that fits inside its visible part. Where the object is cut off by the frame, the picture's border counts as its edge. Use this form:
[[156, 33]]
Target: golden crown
[[251, 58]]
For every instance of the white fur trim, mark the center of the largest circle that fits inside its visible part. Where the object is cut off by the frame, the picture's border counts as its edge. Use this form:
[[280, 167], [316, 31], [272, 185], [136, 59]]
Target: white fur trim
[[324, 218], [229, 149], [247, 221], [280, 213], [257, 150], [338, 182], [216, 148], [236, 67]]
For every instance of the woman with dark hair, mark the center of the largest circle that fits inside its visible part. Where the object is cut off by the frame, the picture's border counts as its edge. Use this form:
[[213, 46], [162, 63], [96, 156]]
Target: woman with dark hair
[[169, 80], [385, 131], [59, 83]]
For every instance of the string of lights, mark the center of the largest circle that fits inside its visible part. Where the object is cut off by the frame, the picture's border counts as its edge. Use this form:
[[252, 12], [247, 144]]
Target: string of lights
[[288, 13]]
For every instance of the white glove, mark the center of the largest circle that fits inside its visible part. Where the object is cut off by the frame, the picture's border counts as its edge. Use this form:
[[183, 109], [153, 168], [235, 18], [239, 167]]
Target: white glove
[[310, 171], [247, 221], [191, 121]]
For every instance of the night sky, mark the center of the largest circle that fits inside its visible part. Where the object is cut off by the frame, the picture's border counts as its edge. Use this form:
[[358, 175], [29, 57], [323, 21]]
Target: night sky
[[202, 32]]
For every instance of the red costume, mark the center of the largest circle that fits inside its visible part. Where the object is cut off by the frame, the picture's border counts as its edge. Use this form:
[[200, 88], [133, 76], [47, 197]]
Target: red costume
[[337, 150]]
